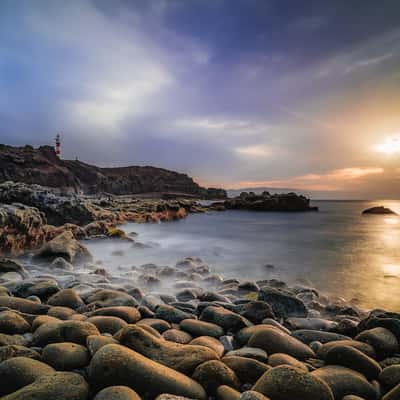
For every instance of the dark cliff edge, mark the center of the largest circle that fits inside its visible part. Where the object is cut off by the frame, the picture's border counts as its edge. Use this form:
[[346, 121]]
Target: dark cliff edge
[[42, 166]]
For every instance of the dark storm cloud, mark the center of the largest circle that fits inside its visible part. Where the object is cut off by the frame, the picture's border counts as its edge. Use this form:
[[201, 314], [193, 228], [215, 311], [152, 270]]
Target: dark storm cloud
[[229, 91]]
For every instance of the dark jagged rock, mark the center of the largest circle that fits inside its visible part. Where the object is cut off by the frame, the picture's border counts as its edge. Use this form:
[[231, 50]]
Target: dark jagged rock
[[42, 166], [269, 202]]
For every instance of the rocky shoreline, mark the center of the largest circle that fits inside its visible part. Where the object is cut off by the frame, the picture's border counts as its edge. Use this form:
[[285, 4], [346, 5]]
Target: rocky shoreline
[[71, 330]]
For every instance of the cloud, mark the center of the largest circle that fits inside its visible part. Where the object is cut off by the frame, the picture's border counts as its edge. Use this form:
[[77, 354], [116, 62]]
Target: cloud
[[330, 181], [254, 151]]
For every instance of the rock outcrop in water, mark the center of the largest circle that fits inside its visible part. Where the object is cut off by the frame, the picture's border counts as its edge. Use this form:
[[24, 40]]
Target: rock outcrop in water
[[42, 166], [269, 202], [379, 210]]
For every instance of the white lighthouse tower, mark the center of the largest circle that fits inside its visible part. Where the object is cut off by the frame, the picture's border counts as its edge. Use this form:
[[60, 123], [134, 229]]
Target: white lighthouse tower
[[58, 145]]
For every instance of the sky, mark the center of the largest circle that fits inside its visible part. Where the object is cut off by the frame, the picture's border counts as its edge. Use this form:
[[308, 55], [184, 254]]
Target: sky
[[297, 94]]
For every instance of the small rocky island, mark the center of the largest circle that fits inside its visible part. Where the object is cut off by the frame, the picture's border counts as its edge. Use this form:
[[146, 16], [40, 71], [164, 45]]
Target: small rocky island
[[380, 210], [71, 329]]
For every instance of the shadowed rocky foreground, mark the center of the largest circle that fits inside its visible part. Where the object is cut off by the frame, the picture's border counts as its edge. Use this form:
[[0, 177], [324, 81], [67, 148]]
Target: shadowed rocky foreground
[[70, 330]]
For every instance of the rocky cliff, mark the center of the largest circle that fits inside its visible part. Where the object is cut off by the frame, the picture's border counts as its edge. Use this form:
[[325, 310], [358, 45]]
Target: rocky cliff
[[42, 166]]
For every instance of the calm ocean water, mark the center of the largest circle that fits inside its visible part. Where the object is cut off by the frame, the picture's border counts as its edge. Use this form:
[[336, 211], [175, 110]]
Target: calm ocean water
[[337, 250]]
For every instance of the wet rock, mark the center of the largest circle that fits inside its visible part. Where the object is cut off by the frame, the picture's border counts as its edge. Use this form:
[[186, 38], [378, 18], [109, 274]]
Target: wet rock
[[111, 298], [66, 298], [228, 320], [96, 342], [393, 394], [177, 336], [344, 381], [117, 365], [64, 331], [12, 351], [62, 264], [211, 343], [18, 372], [214, 373], [9, 340], [65, 246], [9, 265], [361, 346], [381, 339], [117, 393], [354, 359], [65, 356], [273, 340], [42, 288], [316, 324], [171, 314], [275, 384], [61, 312], [129, 314], [255, 311], [158, 324], [107, 324], [23, 305], [307, 336], [250, 352], [248, 370], [58, 385], [390, 377], [183, 358], [277, 359], [13, 323], [276, 324], [227, 393], [201, 328], [283, 303]]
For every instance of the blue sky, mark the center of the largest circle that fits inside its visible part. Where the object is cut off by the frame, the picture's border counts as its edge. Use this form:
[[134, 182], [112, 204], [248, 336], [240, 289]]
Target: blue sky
[[284, 93]]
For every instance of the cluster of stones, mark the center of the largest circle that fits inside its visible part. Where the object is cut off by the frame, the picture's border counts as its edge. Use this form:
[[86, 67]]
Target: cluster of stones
[[93, 336]]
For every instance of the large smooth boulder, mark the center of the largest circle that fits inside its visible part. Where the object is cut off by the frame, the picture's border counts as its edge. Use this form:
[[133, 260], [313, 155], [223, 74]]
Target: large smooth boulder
[[129, 314], [64, 331], [117, 365], [10, 265], [361, 346], [228, 320], [201, 328], [344, 381], [214, 373], [23, 305], [66, 356], [307, 336], [273, 340], [66, 298], [181, 357], [107, 324], [18, 372], [246, 369], [381, 339], [58, 385], [354, 359], [13, 323], [289, 383], [284, 304], [65, 246]]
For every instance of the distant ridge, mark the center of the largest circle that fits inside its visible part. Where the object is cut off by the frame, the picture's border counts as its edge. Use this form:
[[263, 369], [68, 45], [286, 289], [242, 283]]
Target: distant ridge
[[42, 166]]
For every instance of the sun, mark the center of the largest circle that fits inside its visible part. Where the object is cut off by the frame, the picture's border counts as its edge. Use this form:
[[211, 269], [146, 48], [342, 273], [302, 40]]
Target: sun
[[391, 145]]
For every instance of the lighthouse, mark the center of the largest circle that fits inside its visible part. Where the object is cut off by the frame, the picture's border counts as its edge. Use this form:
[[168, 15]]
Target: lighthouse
[[58, 145]]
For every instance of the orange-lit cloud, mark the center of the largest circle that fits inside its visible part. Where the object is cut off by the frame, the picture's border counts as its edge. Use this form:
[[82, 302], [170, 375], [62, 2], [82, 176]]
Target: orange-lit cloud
[[330, 181]]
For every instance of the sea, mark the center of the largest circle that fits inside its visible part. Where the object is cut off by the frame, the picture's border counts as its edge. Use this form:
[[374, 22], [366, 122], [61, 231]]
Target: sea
[[337, 250]]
